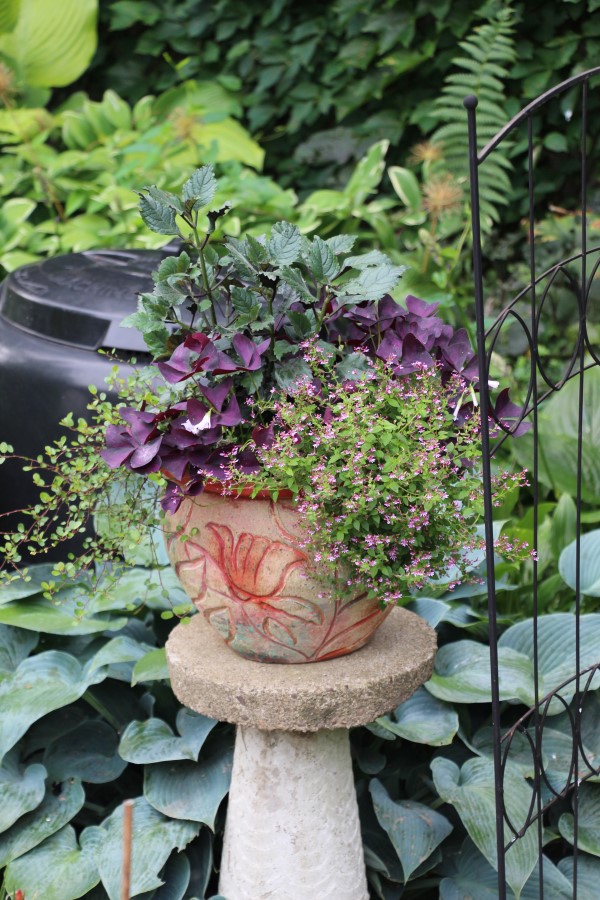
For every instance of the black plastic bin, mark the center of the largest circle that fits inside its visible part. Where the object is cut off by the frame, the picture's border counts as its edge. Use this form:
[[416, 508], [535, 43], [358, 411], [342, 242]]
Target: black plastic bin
[[54, 317]]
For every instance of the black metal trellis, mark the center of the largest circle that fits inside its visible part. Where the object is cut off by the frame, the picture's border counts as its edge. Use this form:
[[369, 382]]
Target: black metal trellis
[[529, 729]]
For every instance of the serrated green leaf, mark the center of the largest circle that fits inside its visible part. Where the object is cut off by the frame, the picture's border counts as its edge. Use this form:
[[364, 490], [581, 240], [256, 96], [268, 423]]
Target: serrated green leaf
[[284, 244], [372, 283], [157, 216], [321, 259], [172, 265], [200, 187], [295, 280], [291, 372], [341, 243], [353, 367]]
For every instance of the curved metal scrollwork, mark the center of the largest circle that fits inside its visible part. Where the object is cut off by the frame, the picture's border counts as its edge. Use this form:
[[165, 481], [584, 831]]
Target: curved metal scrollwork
[[548, 741]]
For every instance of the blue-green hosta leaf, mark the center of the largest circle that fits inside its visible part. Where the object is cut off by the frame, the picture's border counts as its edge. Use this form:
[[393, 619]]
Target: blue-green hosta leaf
[[588, 875], [588, 820], [422, 719], [469, 875], [189, 790], [154, 588], [471, 790], [154, 837], [437, 611], [57, 869], [558, 426], [17, 590], [117, 650], [372, 283], [589, 564], [21, 788], [462, 674], [40, 684], [15, 645], [556, 650], [321, 260], [153, 741], [285, 244], [41, 615], [415, 830], [89, 752], [151, 667], [176, 877], [54, 812], [200, 186]]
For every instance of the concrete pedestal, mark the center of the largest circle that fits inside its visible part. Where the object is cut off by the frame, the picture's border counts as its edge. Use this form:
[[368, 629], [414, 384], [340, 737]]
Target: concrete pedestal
[[292, 829]]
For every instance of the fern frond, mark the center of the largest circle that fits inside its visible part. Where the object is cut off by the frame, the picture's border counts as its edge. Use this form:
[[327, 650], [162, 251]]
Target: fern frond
[[483, 62]]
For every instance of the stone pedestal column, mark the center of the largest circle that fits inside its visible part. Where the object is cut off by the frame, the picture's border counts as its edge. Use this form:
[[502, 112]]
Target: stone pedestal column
[[292, 830]]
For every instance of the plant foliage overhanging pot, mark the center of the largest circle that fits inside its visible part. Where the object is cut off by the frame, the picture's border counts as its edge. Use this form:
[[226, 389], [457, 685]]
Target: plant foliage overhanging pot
[[287, 365]]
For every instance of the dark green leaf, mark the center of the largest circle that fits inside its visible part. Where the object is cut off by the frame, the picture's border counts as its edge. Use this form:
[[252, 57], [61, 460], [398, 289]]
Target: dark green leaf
[[157, 216], [200, 187]]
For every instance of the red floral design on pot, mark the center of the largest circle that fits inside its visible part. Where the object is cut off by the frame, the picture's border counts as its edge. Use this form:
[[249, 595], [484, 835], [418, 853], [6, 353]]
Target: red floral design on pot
[[243, 564]]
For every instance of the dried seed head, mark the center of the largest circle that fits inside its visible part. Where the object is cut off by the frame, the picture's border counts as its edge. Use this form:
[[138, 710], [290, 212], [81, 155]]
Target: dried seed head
[[441, 195], [425, 151]]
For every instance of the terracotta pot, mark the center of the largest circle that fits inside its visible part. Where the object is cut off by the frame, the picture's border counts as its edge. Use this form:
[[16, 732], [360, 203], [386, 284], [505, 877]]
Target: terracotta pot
[[242, 563]]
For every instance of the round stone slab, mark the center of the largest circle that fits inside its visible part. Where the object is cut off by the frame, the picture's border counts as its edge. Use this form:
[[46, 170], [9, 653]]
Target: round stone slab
[[208, 677]]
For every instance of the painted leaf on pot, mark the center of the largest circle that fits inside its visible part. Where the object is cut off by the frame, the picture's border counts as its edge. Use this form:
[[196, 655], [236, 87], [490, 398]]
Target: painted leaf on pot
[[54, 812], [60, 868], [153, 741], [471, 790], [154, 837], [189, 790], [415, 830], [21, 788]]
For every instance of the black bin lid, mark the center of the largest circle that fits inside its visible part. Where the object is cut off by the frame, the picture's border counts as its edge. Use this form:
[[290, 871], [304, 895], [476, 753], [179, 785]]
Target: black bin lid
[[80, 299]]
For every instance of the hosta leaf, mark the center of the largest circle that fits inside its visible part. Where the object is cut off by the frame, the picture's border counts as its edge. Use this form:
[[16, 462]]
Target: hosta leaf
[[588, 874], [88, 752], [422, 719], [21, 788], [40, 684], [54, 812], [200, 186], [154, 837], [52, 45], [471, 790], [158, 216], [372, 283], [15, 645], [469, 875], [22, 588], [57, 869], [42, 616], [556, 642], [118, 650], [189, 790], [153, 741], [588, 820], [284, 244], [415, 830], [151, 667], [589, 564], [176, 877], [462, 674]]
